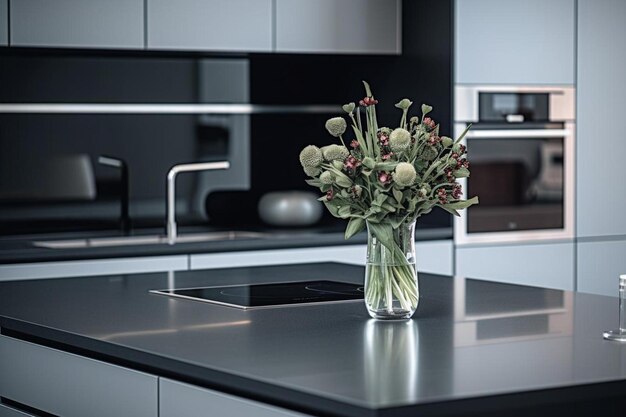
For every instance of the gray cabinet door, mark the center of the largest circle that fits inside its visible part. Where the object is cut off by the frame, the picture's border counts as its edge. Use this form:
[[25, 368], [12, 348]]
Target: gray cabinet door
[[331, 26], [92, 267], [69, 385], [514, 42], [600, 192], [77, 23], [177, 399], [599, 266], [6, 411], [212, 25], [4, 22], [549, 265]]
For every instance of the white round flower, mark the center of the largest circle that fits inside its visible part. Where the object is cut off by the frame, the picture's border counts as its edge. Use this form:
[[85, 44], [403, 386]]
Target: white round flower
[[399, 140], [404, 174], [336, 126], [335, 153], [311, 157], [312, 171], [327, 177]]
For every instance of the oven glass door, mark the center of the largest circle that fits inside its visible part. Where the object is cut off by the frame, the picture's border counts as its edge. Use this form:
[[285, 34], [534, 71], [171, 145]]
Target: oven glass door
[[519, 178]]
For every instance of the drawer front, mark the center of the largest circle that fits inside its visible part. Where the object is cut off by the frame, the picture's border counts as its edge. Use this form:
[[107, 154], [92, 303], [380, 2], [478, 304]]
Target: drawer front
[[70, 385], [183, 400], [11, 412], [93, 267]]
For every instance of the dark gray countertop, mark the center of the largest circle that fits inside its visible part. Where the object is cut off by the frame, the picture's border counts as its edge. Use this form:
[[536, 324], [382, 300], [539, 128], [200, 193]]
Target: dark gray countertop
[[21, 250], [471, 343]]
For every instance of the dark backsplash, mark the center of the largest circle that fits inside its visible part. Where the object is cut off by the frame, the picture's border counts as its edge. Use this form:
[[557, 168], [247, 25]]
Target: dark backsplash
[[153, 143]]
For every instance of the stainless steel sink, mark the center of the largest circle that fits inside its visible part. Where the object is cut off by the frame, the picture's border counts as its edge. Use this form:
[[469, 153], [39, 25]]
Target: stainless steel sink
[[147, 240]]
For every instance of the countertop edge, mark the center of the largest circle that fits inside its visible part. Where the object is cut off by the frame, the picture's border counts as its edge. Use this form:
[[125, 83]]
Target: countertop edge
[[10, 256], [300, 401], [229, 383]]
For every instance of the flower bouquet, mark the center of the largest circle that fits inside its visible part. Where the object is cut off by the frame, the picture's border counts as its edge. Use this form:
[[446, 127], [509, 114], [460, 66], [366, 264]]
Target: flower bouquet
[[384, 179]]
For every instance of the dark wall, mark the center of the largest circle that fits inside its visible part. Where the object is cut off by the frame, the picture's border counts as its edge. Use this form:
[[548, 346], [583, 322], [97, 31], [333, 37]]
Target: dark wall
[[423, 73], [153, 143]]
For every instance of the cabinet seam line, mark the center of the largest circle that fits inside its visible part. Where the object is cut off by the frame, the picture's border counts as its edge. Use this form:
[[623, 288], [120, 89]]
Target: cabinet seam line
[[145, 24], [9, 43]]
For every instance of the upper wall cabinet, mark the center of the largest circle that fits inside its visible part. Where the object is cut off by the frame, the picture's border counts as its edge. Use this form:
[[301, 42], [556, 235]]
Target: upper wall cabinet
[[346, 26], [601, 103], [77, 23], [515, 42], [4, 22], [210, 25]]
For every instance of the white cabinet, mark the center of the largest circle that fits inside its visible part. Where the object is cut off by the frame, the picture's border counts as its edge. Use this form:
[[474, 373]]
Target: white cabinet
[[211, 25], [601, 102], [515, 42], [69, 385], [433, 256], [77, 23], [549, 265], [352, 254], [599, 266], [177, 399], [93, 267], [4, 22], [346, 26]]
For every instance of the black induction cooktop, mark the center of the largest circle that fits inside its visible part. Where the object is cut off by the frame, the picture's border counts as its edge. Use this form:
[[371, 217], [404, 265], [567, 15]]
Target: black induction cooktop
[[280, 294]]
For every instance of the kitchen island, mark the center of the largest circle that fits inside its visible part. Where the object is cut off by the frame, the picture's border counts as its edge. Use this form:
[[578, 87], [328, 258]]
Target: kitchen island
[[473, 348]]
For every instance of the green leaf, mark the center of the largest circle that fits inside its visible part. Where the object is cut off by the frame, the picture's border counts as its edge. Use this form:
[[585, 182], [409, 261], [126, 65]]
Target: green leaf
[[314, 182], [386, 166], [348, 108], [361, 140], [332, 208], [369, 162], [397, 194], [426, 109], [461, 173], [449, 210], [461, 204], [383, 232], [379, 199], [396, 221], [388, 207], [355, 225], [368, 90], [343, 181], [344, 211], [404, 104], [460, 138]]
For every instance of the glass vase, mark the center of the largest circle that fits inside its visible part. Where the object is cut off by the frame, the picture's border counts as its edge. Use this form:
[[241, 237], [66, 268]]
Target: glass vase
[[391, 286]]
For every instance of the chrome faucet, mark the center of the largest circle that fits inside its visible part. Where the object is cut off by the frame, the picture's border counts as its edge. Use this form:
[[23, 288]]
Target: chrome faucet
[[171, 190]]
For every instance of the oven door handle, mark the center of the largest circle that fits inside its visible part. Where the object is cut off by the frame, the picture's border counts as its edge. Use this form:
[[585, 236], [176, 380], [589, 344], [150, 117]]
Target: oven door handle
[[518, 133]]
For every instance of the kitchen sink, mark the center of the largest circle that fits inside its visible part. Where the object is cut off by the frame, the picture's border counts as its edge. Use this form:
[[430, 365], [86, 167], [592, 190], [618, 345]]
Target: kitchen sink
[[147, 240]]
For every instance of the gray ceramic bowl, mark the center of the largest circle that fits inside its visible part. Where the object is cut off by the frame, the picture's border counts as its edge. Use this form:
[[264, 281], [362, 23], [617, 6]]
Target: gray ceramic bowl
[[290, 208]]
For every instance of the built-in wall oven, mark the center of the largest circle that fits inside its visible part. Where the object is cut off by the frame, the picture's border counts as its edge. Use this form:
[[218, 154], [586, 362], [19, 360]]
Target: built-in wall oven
[[521, 149]]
